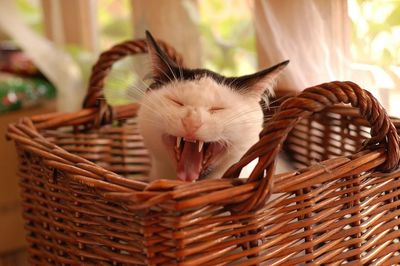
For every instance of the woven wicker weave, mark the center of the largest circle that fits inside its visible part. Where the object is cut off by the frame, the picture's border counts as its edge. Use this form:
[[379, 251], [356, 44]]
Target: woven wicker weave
[[340, 207]]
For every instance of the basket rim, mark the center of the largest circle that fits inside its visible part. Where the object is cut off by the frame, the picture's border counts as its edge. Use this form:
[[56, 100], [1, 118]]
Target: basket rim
[[140, 195], [257, 188]]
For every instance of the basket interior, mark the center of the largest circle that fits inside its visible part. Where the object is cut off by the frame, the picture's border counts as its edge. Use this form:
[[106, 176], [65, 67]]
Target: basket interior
[[338, 131], [118, 147]]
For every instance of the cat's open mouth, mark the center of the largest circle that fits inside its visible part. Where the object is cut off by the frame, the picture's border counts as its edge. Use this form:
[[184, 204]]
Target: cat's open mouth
[[193, 157]]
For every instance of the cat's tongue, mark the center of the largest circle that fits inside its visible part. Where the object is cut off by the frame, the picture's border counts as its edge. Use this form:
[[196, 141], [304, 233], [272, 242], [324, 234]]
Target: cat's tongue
[[189, 164]]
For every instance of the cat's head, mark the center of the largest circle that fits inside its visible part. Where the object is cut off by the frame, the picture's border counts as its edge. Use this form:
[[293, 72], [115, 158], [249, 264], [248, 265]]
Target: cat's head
[[195, 122]]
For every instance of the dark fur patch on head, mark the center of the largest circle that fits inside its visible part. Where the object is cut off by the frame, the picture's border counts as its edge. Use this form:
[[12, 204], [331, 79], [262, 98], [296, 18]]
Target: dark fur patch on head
[[165, 70], [176, 73], [185, 74]]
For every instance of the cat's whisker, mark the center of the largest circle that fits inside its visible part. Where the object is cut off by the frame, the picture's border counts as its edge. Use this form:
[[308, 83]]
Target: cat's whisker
[[258, 123], [150, 108], [255, 120], [133, 91], [148, 119], [146, 86], [133, 94], [138, 88], [120, 80], [271, 102], [232, 82], [155, 110], [245, 112], [180, 72], [155, 123], [169, 67], [228, 144], [161, 100], [239, 115], [174, 78], [269, 105]]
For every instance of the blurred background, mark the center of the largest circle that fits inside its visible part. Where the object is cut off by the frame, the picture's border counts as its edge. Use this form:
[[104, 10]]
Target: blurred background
[[47, 48]]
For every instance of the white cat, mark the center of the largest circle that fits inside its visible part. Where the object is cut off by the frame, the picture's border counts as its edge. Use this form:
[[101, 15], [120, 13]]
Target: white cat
[[195, 122]]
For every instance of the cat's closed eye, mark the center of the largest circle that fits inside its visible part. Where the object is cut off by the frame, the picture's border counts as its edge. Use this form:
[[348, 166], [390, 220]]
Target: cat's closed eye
[[177, 102], [213, 110]]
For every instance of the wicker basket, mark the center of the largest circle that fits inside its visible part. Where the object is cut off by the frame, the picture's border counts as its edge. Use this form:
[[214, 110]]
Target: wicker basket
[[340, 207]]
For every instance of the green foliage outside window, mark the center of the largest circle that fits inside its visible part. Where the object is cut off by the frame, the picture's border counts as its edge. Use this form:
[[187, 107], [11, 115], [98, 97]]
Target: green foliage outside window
[[228, 37], [375, 31]]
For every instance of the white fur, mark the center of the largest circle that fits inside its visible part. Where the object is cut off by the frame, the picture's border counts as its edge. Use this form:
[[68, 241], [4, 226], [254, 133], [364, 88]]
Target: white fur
[[238, 124]]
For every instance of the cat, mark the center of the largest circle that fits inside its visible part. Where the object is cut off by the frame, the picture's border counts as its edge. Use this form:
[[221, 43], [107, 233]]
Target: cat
[[196, 123]]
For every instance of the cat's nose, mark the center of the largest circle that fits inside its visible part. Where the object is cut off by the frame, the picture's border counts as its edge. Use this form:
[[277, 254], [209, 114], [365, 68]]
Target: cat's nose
[[191, 125]]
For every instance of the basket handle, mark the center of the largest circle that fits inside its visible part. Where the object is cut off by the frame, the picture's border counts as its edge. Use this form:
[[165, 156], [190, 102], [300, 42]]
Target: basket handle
[[312, 100], [95, 93]]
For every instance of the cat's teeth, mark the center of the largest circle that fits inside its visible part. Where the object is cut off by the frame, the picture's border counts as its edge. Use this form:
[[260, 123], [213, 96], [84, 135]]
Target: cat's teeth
[[178, 141], [201, 143], [177, 153]]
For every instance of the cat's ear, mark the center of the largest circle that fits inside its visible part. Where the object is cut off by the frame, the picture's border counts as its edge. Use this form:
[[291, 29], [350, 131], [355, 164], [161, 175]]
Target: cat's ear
[[163, 68], [258, 83]]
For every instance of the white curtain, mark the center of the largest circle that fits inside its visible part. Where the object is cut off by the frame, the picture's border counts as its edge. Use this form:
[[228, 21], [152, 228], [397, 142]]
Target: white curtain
[[312, 34]]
